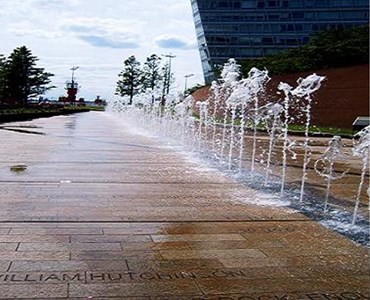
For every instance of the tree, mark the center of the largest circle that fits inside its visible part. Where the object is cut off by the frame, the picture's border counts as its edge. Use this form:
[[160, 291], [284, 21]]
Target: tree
[[152, 77], [129, 83], [21, 79], [2, 81]]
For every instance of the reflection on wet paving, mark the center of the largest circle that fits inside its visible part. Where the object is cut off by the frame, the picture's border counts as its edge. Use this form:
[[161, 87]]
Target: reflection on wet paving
[[95, 216], [22, 129]]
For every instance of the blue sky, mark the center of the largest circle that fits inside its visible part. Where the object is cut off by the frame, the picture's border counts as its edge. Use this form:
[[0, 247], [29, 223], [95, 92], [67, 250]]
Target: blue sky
[[98, 36]]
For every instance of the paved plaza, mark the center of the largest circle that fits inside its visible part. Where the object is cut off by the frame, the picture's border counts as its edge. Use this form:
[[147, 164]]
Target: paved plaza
[[91, 210]]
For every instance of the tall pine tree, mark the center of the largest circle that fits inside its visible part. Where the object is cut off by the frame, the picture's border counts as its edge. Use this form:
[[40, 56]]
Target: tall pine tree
[[152, 76], [22, 79], [129, 83]]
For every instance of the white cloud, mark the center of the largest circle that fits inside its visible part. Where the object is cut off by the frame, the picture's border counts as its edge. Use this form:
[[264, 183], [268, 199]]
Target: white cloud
[[37, 33], [174, 42], [103, 32], [54, 4]]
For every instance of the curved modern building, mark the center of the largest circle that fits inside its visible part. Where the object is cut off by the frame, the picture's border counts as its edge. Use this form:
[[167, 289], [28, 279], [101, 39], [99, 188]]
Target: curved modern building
[[243, 29]]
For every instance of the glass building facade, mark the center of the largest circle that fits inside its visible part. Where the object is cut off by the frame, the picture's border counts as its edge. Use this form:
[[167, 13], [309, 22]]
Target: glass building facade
[[243, 29]]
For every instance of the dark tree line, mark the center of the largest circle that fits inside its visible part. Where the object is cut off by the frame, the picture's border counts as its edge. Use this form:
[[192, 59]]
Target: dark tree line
[[327, 49], [136, 78], [21, 79]]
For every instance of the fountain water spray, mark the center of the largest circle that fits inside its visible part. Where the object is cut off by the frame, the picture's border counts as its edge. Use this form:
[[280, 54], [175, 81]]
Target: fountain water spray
[[183, 112], [324, 166], [306, 87], [215, 100], [271, 116], [176, 125], [229, 79], [361, 149], [203, 119], [286, 88], [240, 98], [257, 81]]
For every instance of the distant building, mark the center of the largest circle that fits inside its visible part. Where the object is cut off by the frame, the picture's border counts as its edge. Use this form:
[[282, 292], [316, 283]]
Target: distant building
[[243, 29], [99, 101], [72, 89]]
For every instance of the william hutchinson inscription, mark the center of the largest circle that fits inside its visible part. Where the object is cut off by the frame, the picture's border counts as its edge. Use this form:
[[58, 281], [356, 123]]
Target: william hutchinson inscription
[[134, 277], [115, 277]]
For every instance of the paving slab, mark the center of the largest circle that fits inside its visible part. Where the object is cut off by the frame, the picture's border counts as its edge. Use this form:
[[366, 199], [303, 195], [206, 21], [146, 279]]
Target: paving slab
[[34, 291], [101, 212]]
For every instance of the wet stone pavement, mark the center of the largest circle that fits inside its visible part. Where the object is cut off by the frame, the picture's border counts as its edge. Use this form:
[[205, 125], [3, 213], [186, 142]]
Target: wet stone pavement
[[91, 210]]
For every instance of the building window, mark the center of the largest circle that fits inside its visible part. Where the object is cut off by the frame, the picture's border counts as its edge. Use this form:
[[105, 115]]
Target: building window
[[272, 3], [223, 4], [261, 4]]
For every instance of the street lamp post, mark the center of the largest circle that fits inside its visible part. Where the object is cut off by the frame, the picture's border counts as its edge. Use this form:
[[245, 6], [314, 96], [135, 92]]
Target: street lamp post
[[169, 56], [186, 82], [73, 72]]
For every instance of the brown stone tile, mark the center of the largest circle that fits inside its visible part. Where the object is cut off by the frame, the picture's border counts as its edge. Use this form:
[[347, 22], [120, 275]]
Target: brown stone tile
[[287, 252], [269, 243], [47, 231], [40, 226], [189, 297], [4, 230], [316, 295], [4, 265], [26, 238], [220, 245], [128, 231], [114, 255], [30, 255], [151, 246], [8, 246], [319, 271], [134, 289], [97, 255], [224, 286], [191, 228], [346, 264], [34, 291], [66, 266], [355, 283], [142, 264], [265, 236], [148, 228], [253, 227], [312, 285], [125, 298], [301, 261], [218, 254], [197, 237], [338, 246], [345, 251], [181, 288], [245, 262], [110, 238], [69, 246]]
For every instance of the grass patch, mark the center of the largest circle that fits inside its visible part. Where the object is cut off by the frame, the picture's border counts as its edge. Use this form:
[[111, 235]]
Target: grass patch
[[321, 129], [293, 128], [95, 108], [38, 110], [29, 113]]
